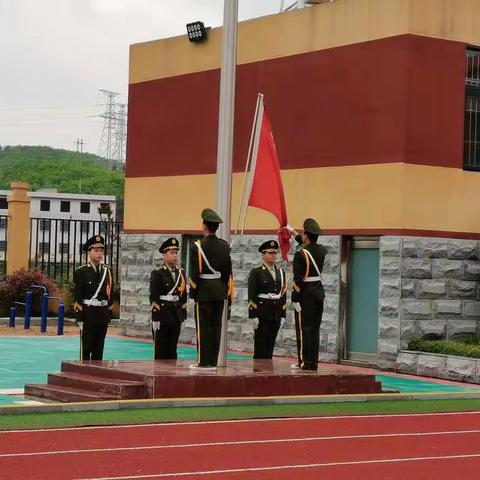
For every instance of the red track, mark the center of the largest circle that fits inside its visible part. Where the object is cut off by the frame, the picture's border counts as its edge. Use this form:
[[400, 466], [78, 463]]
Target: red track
[[437, 446]]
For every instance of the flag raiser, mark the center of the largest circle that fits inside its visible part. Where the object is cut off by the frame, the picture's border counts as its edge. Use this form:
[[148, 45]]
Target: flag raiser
[[266, 188]]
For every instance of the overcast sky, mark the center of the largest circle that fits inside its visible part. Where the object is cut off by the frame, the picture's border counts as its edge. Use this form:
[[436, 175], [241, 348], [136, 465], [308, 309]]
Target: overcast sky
[[56, 54]]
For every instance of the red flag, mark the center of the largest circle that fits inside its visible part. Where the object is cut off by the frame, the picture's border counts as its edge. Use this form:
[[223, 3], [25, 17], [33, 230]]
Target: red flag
[[267, 189], [284, 242]]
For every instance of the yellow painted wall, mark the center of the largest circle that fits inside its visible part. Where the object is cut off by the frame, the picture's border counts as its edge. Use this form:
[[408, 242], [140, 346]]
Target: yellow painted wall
[[343, 22], [389, 196]]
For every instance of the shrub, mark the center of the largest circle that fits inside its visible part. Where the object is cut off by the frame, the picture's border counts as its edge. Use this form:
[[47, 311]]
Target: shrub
[[446, 347], [17, 284]]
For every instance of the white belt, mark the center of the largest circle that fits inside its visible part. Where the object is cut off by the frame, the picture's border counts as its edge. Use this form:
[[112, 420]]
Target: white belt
[[211, 276], [313, 279], [96, 303], [270, 296], [169, 298]]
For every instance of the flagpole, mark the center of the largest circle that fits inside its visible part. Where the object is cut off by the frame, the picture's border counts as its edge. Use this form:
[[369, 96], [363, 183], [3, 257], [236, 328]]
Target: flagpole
[[247, 167], [256, 142], [225, 137]]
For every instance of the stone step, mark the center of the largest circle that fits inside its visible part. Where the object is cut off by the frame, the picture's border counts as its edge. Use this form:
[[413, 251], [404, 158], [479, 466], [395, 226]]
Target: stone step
[[121, 389], [65, 394], [99, 370]]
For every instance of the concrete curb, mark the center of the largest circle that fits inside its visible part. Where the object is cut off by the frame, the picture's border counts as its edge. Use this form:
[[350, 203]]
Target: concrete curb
[[227, 401]]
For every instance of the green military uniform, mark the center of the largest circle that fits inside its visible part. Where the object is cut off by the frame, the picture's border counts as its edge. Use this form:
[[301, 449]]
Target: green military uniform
[[267, 293], [168, 302], [211, 284], [307, 290], [94, 311]]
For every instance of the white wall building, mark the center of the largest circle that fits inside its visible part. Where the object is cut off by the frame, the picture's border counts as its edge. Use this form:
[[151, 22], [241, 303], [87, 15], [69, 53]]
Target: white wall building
[[60, 222]]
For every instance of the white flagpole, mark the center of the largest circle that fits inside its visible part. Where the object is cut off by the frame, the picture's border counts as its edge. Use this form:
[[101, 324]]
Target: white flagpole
[[225, 138], [256, 143], [241, 206]]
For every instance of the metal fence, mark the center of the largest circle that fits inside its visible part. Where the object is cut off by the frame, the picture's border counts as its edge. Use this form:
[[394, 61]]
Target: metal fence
[[3, 245], [471, 151], [56, 245]]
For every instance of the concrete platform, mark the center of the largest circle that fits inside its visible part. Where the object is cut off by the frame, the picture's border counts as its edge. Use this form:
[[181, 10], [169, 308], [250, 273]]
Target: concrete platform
[[109, 380]]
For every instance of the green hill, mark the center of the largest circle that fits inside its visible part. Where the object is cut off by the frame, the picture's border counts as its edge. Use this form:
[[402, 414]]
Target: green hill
[[68, 171]]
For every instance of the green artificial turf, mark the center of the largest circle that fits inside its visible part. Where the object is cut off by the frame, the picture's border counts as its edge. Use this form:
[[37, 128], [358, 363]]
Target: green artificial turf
[[182, 414]]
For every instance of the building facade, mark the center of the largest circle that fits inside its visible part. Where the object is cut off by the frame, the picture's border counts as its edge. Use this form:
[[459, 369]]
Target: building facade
[[375, 111], [59, 222]]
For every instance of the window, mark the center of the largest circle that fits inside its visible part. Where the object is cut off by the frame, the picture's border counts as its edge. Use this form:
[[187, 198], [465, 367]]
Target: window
[[84, 207], [3, 222], [45, 205], [43, 247], [3, 203], [3, 245], [45, 225], [471, 150], [84, 227], [64, 206], [63, 248]]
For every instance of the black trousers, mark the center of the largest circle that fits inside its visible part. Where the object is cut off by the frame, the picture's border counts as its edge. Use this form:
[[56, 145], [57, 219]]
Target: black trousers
[[95, 324], [208, 321], [264, 338], [166, 339], [307, 328]]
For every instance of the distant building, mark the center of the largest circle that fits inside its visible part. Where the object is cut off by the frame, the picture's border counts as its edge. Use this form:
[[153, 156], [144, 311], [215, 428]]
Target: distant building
[[60, 222]]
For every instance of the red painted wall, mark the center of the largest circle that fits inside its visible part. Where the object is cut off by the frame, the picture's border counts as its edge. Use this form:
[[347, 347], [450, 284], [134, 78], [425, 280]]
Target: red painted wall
[[391, 100]]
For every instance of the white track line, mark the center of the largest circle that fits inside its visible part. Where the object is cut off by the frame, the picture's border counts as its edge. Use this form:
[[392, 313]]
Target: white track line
[[237, 442], [247, 420], [282, 467]]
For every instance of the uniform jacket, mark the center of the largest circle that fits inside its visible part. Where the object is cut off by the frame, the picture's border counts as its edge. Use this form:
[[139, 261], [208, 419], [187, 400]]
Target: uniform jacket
[[260, 280], [302, 268], [217, 252], [86, 280], [161, 282]]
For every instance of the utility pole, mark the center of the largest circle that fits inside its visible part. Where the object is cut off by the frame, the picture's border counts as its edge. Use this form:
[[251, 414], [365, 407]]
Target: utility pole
[[80, 143], [225, 137]]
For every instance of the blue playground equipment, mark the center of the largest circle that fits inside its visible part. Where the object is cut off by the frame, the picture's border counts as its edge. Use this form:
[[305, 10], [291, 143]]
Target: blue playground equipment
[[44, 310]]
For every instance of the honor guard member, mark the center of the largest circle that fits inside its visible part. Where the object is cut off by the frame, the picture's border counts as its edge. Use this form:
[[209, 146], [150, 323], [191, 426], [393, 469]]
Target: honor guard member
[[168, 301], [267, 293], [308, 294], [93, 299], [211, 286]]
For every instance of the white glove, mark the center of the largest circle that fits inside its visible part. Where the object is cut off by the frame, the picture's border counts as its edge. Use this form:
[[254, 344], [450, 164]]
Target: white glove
[[255, 323], [282, 322], [80, 325], [297, 307], [155, 326], [291, 229]]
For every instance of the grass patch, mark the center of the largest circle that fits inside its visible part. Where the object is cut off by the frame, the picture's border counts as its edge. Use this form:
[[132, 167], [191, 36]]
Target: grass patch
[[195, 414], [468, 348]]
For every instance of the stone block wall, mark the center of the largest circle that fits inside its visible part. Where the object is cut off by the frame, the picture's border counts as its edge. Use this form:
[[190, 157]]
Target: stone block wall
[[140, 256], [429, 287], [450, 367]]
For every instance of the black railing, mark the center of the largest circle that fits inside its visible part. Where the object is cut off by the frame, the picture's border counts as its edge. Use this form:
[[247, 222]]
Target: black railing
[[56, 245], [3, 245]]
